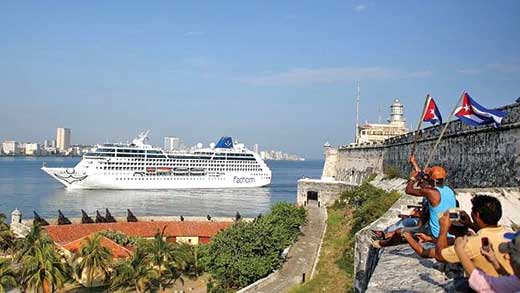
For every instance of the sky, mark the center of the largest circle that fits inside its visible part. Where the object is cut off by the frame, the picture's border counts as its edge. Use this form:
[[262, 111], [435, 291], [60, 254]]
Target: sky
[[281, 74]]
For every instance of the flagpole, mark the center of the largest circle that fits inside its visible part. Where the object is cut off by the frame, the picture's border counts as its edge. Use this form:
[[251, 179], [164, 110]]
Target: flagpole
[[443, 130], [419, 125]]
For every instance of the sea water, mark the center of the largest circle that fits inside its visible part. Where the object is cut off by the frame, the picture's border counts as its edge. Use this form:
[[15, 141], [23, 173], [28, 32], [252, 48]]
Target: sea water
[[25, 187]]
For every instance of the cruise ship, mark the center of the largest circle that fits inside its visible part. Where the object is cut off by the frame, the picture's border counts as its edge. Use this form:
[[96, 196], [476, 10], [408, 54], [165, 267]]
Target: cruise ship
[[141, 166]]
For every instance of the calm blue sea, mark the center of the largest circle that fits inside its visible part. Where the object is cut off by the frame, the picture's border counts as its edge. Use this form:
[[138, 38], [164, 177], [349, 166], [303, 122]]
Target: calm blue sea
[[24, 186]]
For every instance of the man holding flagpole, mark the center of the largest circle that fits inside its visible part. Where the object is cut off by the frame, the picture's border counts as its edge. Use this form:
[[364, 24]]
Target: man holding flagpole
[[440, 197]]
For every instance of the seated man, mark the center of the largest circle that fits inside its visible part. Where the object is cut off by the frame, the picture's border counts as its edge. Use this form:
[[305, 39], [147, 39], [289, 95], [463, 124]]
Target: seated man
[[392, 236], [440, 197], [416, 245], [485, 212]]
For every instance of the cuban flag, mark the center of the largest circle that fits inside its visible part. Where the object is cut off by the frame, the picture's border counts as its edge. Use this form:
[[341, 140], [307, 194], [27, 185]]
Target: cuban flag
[[474, 114], [432, 113]]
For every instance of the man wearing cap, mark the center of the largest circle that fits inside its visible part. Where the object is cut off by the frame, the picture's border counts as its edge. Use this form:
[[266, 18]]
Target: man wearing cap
[[486, 212], [440, 197], [483, 282]]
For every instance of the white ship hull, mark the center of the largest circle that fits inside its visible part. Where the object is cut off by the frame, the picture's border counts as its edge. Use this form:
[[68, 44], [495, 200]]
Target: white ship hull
[[140, 166], [74, 180]]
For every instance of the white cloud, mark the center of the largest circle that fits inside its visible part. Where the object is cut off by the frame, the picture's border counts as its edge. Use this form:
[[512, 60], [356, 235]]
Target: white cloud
[[332, 75], [193, 33], [469, 71], [504, 68], [492, 67], [360, 7]]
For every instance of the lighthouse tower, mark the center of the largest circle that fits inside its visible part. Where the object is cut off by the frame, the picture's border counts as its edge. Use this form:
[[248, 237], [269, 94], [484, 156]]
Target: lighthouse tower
[[397, 114]]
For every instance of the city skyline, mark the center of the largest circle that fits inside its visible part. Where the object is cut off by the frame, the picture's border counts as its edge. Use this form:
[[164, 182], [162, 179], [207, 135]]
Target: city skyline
[[62, 145], [278, 73]]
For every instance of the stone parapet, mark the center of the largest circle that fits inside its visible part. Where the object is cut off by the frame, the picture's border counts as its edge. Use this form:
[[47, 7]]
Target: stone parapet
[[325, 191]]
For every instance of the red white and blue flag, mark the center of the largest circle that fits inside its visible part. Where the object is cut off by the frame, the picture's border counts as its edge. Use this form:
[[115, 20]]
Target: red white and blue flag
[[474, 114], [432, 113]]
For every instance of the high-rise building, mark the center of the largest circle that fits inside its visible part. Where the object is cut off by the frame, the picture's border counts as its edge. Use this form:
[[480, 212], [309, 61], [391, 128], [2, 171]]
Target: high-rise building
[[256, 149], [63, 139], [32, 149], [172, 143], [11, 147]]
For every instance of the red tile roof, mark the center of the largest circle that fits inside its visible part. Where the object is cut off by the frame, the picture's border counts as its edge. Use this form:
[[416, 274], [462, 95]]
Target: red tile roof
[[117, 250], [67, 233]]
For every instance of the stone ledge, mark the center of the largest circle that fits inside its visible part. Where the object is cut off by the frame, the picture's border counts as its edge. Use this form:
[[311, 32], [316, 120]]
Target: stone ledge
[[401, 269]]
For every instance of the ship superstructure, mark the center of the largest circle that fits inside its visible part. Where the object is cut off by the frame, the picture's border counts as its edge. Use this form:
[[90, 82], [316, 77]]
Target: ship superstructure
[[141, 166]]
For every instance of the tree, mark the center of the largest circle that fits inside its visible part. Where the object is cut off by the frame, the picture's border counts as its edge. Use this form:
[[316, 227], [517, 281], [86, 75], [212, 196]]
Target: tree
[[42, 267], [6, 237], [26, 247], [167, 259], [135, 272], [93, 260], [7, 276], [248, 251], [191, 258]]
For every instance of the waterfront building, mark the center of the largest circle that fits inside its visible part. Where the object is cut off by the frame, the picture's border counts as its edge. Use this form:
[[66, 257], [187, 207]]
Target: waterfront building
[[378, 132], [32, 149], [172, 143], [49, 143], [11, 147], [256, 149], [191, 232], [63, 139]]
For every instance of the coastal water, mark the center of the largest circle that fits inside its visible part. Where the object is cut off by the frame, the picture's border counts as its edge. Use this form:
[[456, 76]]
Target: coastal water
[[24, 186]]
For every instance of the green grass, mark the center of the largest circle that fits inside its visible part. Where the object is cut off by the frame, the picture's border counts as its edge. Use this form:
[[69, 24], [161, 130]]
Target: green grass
[[352, 212], [328, 276], [391, 173]]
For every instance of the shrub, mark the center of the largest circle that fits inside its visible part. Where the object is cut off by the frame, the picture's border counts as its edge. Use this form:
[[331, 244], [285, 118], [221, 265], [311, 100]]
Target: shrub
[[367, 204], [248, 251], [120, 238], [391, 172]]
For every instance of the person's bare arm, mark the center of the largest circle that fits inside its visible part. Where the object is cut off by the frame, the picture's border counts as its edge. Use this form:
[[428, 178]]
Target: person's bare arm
[[465, 219], [432, 194], [425, 238], [413, 162], [491, 257], [466, 262], [417, 247], [442, 241]]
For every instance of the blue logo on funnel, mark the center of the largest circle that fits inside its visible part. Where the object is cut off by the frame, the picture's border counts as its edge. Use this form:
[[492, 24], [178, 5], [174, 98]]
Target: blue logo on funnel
[[225, 142]]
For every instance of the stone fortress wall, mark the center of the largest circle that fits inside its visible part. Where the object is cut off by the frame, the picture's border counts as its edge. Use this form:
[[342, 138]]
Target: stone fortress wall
[[474, 157]]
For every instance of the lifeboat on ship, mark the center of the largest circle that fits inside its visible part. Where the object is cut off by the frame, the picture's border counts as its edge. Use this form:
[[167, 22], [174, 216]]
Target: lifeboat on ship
[[197, 171], [164, 170], [180, 171]]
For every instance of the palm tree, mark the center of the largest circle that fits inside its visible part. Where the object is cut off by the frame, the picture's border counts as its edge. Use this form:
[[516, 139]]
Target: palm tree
[[193, 255], [7, 276], [136, 272], [93, 259], [160, 254], [6, 237], [42, 267], [26, 247]]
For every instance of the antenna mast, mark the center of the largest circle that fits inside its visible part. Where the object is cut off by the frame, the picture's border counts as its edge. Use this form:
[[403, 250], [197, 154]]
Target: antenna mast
[[357, 112]]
